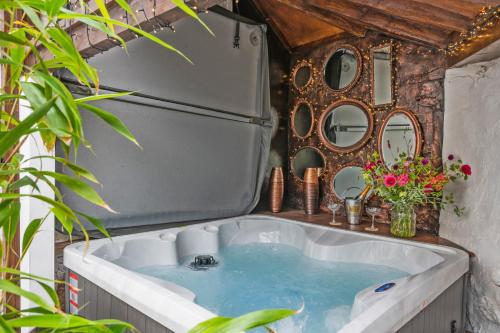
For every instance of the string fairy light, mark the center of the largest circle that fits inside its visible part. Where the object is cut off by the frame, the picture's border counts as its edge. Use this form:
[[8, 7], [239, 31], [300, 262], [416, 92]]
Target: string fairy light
[[487, 18]]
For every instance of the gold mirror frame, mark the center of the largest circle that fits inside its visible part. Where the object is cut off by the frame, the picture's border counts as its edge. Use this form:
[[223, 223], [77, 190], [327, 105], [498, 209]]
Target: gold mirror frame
[[359, 66], [359, 144], [416, 126], [292, 117], [372, 74], [335, 172], [292, 158], [300, 64]]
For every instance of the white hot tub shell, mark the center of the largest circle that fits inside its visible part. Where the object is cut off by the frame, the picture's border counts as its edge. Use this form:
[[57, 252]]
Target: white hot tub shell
[[108, 267]]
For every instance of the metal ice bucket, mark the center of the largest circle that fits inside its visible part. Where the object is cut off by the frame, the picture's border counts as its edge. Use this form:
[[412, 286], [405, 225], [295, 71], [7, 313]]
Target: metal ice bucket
[[353, 210]]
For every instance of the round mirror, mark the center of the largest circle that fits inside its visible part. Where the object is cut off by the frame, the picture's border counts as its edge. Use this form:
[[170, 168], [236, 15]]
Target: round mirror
[[345, 126], [307, 157], [399, 133], [348, 182], [302, 75], [343, 67], [302, 119]]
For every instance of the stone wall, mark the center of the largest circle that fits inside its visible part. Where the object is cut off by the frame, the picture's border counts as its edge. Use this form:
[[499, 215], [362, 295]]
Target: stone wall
[[419, 81], [472, 132]]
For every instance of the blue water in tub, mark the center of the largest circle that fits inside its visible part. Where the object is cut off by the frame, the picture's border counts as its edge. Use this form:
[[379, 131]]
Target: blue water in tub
[[257, 276]]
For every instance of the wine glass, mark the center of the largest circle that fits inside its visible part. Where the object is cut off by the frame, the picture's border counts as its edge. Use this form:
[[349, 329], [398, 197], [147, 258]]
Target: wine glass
[[334, 207], [373, 212]]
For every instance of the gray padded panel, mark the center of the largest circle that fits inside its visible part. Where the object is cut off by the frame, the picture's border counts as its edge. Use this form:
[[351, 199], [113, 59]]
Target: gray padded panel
[[194, 165], [221, 77]]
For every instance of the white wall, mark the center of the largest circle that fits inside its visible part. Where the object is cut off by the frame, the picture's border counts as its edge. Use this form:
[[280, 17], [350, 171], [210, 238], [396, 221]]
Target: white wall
[[472, 131], [39, 259]]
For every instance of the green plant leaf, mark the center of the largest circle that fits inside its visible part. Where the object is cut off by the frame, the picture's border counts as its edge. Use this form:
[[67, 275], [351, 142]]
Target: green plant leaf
[[78, 170], [79, 187], [30, 233], [101, 96], [24, 181], [111, 120], [11, 137], [244, 322], [5, 327], [13, 288], [96, 223], [181, 4], [11, 39], [53, 6]]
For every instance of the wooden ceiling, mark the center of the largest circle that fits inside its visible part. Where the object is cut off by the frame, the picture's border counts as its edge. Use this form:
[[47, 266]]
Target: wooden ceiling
[[429, 22]]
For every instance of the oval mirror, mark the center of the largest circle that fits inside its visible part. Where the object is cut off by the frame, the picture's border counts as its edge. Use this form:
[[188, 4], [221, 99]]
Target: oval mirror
[[302, 75], [348, 182], [302, 119], [343, 67], [307, 157], [399, 133], [345, 126]]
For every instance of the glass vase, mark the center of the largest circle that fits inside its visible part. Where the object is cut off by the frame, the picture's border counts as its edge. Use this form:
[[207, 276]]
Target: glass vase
[[403, 221]]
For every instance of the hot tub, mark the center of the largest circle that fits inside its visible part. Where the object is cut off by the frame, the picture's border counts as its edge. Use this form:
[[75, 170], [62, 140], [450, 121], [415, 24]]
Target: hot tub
[[422, 290]]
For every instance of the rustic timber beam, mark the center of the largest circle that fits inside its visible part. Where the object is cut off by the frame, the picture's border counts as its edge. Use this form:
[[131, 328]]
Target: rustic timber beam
[[430, 15], [327, 16], [90, 42], [377, 20], [269, 20], [465, 7]]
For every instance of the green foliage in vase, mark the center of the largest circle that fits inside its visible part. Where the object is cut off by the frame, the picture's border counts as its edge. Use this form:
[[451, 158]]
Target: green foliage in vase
[[31, 26], [414, 181]]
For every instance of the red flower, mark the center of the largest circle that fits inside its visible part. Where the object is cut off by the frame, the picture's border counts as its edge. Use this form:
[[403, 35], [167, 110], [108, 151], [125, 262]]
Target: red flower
[[439, 179], [451, 157], [369, 166], [428, 188], [390, 180], [466, 169]]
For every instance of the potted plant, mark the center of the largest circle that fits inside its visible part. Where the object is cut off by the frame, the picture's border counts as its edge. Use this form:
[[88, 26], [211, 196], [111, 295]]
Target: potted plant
[[411, 182]]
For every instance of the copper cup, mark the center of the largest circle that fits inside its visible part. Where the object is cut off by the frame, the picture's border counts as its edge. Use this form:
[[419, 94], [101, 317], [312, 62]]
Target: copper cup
[[311, 190], [276, 189]]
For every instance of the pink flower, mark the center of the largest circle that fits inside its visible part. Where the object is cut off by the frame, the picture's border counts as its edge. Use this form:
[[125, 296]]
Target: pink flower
[[425, 161], [390, 180], [403, 179], [466, 169]]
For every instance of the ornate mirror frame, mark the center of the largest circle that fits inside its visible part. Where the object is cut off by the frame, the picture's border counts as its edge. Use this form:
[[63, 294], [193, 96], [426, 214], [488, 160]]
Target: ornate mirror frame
[[300, 102], [416, 126], [355, 146], [359, 66], [298, 65], [334, 195], [372, 74], [325, 164]]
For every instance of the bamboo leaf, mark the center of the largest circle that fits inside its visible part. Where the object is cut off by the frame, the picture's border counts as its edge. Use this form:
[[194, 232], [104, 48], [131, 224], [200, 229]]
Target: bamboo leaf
[[244, 322], [79, 187], [96, 223], [30, 232], [12, 288], [78, 170], [53, 6], [192, 13], [11, 137], [5, 327], [101, 96], [111, 120], [24, 181]]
